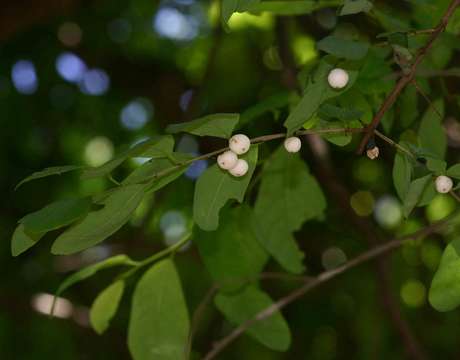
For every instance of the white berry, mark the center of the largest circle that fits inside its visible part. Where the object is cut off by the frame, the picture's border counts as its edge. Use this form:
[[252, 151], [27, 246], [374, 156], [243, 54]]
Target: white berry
[[292, 144], [239, 144], [240, 169], [338, 78], [443, 184], [227, 160]]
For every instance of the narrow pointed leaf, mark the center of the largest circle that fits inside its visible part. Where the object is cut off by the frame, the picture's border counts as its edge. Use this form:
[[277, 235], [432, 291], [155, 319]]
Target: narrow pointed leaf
[[431, 133], [402, 173], [343, 48], [100, 224], [218, 125], [56, 215], [105, 306], [55, 170], [22, 241], [414, 193], [156, 148]]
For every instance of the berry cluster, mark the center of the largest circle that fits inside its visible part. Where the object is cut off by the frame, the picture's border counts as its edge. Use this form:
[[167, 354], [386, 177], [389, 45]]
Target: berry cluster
[[239, 144]]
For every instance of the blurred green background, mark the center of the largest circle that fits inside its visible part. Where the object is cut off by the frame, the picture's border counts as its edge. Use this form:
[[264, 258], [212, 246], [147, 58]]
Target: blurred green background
[[80, 80]]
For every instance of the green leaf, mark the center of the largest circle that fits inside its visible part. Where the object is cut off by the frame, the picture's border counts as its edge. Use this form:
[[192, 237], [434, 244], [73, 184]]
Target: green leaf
[[231, 6], [293, 7], [436, 166], [271, 103], [159, 324], [147, 171], [85, 273], [316, 92], [22, 241], [408, 106], [219, 125], [343, 48], [56, 215], [444, 292], [100, 224], [55, 170], [414, 193], [157, 147], [232, 254], [339, 139], [288, 197], [454, 171], [215, 187], [402, 174], [431, 133], [105, 306], [338, 112], [273, 331], [355, 6]]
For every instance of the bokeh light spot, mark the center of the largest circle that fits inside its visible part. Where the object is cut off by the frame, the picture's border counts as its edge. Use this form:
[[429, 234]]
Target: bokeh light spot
[[430, 254], [362, 203], [413, 293], [136, 114], [197, 168], [173, 24], [304, 49], [98, 151], [119, 30], [95, 82], [239, 21], [70, 34], [187, 144], [387, 212], [70, 67], [440, 207], [333, 257], [24, 77]]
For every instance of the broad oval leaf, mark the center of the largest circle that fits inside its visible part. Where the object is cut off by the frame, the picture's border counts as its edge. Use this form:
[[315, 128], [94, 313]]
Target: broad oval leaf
[[289, 195], [218, 125], [293, 7], [22, 240], [454, 171], [100, 224], [402, 174], [444, 292], [215, 187], [414, 193], [159, 323], [232, 254], [355, 6], [431, 133], [105, 306], [273, 331], [56, 215], [55, 170], [343, 48]]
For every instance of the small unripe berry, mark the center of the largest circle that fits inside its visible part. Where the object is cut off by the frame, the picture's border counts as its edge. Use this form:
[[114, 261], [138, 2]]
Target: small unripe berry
[[240, 169], [239, 144], [443, 184], [338, 78], [292, 144], [227, 160]]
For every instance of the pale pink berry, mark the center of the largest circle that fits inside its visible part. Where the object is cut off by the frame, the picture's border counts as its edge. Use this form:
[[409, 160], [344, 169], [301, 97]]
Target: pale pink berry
[[240, 169], [227, 160], [239, 144], [443, 184], [292, 144]]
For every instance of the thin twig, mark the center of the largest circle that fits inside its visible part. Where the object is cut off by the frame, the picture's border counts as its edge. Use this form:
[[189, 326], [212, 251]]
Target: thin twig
[[320, 279], [406, 79], [425, 96]]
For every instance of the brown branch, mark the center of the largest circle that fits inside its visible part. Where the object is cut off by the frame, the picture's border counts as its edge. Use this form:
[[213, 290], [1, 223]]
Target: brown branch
[[406, 79], [320, 279]]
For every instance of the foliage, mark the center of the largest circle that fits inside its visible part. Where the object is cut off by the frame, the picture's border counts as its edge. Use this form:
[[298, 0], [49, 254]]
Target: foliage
[[288, 213]]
